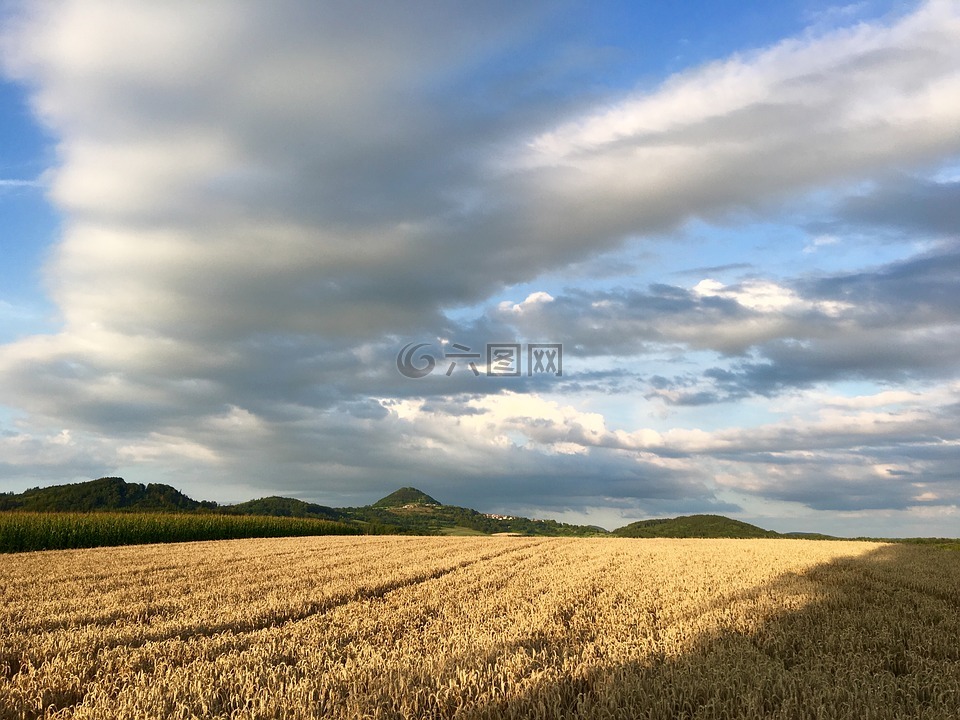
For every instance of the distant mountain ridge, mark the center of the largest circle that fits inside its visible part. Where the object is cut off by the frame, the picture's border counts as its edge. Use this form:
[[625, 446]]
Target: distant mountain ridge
[[406, 510]]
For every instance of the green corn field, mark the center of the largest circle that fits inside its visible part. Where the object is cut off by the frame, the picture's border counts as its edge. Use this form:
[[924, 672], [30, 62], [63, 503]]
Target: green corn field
[[23, 531]]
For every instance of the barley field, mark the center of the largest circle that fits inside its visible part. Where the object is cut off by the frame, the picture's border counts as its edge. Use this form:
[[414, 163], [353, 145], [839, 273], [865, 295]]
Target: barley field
[[482, 627]]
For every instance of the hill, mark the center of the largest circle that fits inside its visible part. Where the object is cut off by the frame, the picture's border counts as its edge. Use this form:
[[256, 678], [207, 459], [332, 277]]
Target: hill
[[438, 519], [109, 493], [405, 496], [407, 510], [808, 536], [285, 507], [694, 526]]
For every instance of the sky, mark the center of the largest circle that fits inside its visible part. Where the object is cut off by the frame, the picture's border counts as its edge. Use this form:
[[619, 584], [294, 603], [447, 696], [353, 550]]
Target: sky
[[704, 257]]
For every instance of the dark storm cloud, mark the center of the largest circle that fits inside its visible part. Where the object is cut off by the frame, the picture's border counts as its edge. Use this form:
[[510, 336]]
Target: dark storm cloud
[[910, 205]]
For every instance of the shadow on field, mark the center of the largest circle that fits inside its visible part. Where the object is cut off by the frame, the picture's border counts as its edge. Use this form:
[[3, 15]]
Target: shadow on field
[[879, 638]]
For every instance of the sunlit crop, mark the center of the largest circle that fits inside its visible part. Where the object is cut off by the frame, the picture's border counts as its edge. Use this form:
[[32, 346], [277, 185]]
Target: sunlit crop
[[414, 627]]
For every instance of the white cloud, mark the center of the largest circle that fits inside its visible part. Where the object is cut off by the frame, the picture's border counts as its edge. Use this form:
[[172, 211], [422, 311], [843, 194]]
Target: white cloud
[[7, 183], [531, 301], [866, 79], [819, 242], [765, 296]]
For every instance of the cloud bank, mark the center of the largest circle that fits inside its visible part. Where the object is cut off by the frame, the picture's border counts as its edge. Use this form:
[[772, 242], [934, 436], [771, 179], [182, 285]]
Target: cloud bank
[[262, 206]]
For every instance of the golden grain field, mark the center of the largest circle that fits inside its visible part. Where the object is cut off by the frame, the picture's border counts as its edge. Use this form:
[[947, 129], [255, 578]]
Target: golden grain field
[[482, 627]]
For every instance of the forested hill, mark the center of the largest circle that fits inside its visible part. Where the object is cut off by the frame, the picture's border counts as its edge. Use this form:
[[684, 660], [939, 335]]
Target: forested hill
[[694, 526], [406, 496], [108, 493]]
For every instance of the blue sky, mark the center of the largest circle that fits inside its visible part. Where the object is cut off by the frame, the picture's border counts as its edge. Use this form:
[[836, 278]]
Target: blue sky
[[222, 223], [29, 222]]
